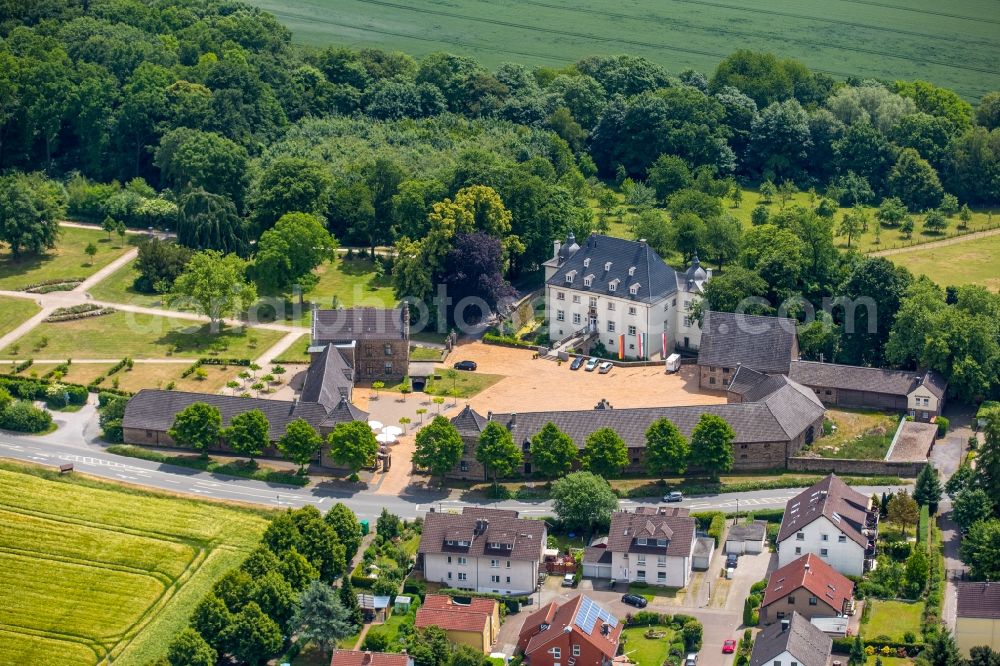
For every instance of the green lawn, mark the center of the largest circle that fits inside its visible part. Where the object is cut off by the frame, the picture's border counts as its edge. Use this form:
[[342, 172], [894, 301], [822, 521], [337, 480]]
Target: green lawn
[[140, 336], [466, 383], [117, 288], [67, 261], [14, 312], [893, 619], [348, 283], [888, 41], [124, 568], [425, 353], [975, 261], [646, 651], [859, 434]]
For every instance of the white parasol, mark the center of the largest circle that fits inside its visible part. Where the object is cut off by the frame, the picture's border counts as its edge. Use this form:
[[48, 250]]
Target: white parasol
[[376, 425], [386, 439], [395, 431]]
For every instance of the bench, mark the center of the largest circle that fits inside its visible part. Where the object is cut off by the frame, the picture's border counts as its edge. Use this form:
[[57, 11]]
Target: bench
[[65, 468]]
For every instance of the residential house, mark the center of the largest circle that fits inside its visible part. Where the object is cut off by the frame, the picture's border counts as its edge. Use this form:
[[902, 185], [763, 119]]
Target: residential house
[[919, 394], [375, 342], [807, 586], [747, 538], [622, 294], [652, 545], [978, 617], [793, 641], [476, 624], [369, 658], [730, 340], [769, 429], [832, 521], [580, 632], [483, 550]]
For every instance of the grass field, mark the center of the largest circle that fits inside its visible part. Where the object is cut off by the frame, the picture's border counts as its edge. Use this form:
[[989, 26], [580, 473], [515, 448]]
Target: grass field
[[893, 619], [352, 283], [139, 336], [79, 373], [467, 384], [953, 45], [975, 261], [90, 571], [859, 434], [646, 651], [160, 375], [14, 312], [67, 261], [117, 288]]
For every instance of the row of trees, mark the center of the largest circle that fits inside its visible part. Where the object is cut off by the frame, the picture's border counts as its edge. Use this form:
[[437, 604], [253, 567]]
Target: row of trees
[[199, 426], [439, 448]]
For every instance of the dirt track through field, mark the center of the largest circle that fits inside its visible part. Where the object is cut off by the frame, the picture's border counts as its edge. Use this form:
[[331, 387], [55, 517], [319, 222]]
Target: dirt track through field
[[941, 243]]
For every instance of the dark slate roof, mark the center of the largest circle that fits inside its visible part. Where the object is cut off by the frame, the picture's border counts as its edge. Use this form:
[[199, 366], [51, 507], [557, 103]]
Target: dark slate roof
[[351, 324], [468, 422], [979, 600], [755, 531], [343, 412], [595, 555], [655, 278], [328, 380], [794, 406], [844, 507], [858, 378], [766, 344], [154, 409], [807, 643], [527, 536], [745, 379], [626, 527]]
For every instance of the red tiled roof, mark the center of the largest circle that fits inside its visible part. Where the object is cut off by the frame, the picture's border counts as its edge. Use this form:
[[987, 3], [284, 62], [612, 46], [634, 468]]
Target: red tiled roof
[[442, 611], [569, 616], [813, 574], [358, 658], [979, 600]]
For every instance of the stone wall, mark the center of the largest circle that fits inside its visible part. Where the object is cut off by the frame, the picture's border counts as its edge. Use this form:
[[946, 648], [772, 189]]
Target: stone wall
[[849, 466], [714, 377], [371, 357]]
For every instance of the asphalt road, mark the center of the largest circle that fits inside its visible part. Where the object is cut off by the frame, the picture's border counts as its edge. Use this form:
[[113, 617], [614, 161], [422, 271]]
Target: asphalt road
[[92, 460]]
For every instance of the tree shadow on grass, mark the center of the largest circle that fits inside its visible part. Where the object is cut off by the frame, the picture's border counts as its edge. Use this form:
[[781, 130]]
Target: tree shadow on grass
[[200, 338]]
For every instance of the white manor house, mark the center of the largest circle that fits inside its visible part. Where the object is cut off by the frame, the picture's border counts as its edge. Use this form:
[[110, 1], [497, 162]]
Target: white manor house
[[622, 294]]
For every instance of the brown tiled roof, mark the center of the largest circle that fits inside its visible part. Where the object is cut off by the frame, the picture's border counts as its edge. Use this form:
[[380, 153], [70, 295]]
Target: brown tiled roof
[[812, 573], [595, 555], [807, 643], [871, 380], [442, 611], [350, 324], [368, 658], [978, 600], [528, 535], [582, 616], [766, 344], [847, 509], [626, 527]]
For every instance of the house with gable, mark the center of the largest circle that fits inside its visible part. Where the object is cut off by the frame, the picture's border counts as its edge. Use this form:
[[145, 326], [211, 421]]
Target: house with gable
[[730, 341], [580, 632], [652, 545], [793, 641], [832, 521], [808, 586], [623, 294]]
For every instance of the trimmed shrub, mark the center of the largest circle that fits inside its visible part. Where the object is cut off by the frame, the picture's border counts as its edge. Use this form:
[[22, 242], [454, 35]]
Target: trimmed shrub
[[942, 424], [22, 416]]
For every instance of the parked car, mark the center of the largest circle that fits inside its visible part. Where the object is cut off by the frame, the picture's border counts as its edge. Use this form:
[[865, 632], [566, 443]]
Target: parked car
[[674, 496], [728, 646], [577, 362], [568, 580], [634, 600], [591, 364], [605, 367], [692, 659], [465, 365], [732, 559]]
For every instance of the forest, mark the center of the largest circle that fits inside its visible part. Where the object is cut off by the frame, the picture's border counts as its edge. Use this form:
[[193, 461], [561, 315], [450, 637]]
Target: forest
[[200, 116]]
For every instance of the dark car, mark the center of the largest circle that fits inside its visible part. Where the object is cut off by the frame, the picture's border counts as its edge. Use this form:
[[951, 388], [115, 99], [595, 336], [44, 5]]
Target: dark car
[[732, 560], [465, 365], [577, 363], [634, 600]]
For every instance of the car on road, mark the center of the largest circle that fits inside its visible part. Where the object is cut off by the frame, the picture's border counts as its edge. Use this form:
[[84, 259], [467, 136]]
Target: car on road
[[577, 362], [732, 559], [692, 659], [634, 600], [568, 580], [605, 367], [674, 496], [591, 364], [728, 646], [465, 365]]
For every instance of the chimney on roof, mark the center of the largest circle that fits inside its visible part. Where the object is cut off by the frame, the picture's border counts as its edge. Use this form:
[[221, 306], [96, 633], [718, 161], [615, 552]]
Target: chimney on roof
[[807, 567], [785, 624], [556, 246], [642, 241], [605, 628], [489, 415], [367, 659], [513, 420]]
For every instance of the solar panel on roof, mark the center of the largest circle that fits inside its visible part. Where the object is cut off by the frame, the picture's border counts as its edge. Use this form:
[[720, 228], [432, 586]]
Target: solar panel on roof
[[589, 613]]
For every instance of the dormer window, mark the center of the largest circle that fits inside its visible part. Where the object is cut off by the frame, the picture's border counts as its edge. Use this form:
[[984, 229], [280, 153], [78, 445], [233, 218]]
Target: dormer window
[[613, 285], [631, 271], [570, 276], [641, 541], [587, 281], [586, 262], [634, 289], [607, 265], [661, 543]]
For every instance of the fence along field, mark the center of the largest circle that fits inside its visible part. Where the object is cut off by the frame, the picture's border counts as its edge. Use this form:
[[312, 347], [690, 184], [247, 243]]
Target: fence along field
[[954, 44], [91, 573]]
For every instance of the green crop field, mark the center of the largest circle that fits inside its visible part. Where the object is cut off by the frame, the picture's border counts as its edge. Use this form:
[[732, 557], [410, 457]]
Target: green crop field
[[972, 261], [90, 572], [955, 44]]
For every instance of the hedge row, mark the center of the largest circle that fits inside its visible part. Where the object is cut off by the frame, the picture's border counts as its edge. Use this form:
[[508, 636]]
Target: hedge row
[[94, 385], [190, 370], [507, 341], [713, 522], [36, 389], [513, 604]]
